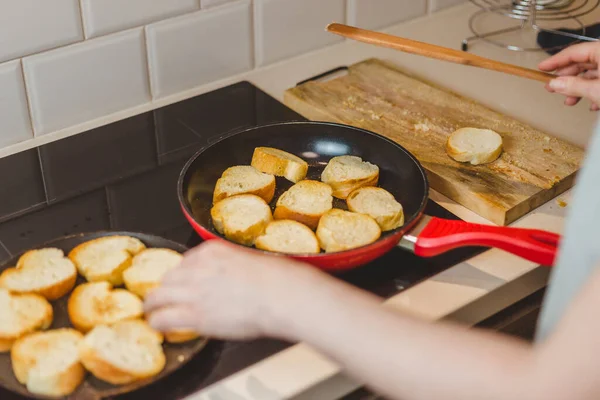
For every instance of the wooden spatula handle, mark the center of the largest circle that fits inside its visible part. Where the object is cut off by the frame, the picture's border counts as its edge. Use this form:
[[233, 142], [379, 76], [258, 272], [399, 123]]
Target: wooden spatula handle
[[437, 52]]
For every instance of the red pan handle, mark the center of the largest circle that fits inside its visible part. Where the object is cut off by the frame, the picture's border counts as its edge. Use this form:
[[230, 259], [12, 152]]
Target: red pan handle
[[441, 235]]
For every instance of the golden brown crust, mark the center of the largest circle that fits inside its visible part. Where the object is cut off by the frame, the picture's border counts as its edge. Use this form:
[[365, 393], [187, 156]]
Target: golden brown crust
[[245, 237], [20, 362], [6, 345], [136, 277], [293, 169], [335, 225], [454, 153], [115, 277], [6, 341], [102, 369], [70, 380], [387, 222], [310, 220], [73, 310], [181, 336], [266, 192], [52, 291], [248, 236], [22, 359], [342, 190], [59, 289], [79, 312], [271, 242], [141, 289], [305, 202]]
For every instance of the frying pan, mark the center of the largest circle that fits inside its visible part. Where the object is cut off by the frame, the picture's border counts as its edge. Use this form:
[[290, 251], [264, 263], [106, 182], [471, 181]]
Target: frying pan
[[91, 389], [400, 174]]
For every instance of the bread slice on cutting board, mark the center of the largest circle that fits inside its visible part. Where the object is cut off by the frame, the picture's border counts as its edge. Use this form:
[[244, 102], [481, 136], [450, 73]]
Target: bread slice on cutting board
[[279, 163], [341, 230], [145, 274], [125, 352], [305, 202], [97, 303], [47, 363], [105, 259], [289, 237], [241, 218], [20, 315], [475, 146], [379, 204], [243, 179], [46, 272], [348, 173]]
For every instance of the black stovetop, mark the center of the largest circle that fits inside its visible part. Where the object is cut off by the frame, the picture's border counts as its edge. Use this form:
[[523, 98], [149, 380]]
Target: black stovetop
[[123, 177]]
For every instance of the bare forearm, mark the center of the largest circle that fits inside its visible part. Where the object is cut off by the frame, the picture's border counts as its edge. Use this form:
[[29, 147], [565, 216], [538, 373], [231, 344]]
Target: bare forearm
[[406, 358]]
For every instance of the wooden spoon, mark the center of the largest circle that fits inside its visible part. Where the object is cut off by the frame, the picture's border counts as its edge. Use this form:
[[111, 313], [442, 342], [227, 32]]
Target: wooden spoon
[[433, 51]]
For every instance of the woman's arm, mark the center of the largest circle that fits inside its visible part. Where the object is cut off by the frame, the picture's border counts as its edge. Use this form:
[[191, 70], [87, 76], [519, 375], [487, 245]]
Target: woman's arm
[[402, 357], [234, 294]]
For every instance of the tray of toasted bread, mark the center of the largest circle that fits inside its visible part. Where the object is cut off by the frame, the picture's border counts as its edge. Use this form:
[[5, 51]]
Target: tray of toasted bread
[[72, 322]]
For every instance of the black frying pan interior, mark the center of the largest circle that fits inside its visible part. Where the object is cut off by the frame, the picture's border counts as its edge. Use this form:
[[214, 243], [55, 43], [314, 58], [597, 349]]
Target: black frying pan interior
[[316, 142]]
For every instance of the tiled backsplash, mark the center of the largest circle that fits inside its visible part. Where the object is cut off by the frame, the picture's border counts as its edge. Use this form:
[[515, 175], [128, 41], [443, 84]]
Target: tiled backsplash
[[71, 61]]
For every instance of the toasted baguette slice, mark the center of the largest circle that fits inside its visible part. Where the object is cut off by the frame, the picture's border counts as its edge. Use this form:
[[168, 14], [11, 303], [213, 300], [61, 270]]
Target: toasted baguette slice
[[146, 271], [105, 259], [379, 204], [97, 303], [48, 362], [344, 230], [123, 353], [290, 237], [241, 218], [279, 163], [305, 202], [21, 314], [475, 146], [181, 336], [348, 173], [244, 179], [148, 268], [46, 272]]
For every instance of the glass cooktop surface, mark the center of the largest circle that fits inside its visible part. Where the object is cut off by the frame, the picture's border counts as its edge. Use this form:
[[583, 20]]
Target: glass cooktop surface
[[123, 177]]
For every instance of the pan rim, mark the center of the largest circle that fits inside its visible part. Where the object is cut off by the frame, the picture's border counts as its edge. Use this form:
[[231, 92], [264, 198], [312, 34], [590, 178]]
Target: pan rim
[[47, 243], [398, 232]]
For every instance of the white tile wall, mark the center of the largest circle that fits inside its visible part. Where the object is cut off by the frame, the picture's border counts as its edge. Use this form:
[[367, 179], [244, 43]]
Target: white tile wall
[[84, 81], [375, 14], [106, 16], [15, 125], [84, 59], [285, 28], [30, 26], [198, 48], [435, 5]]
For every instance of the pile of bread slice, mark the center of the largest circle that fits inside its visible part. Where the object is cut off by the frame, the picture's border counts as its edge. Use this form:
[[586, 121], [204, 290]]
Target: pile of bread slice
[[109, 337], [304, 220]]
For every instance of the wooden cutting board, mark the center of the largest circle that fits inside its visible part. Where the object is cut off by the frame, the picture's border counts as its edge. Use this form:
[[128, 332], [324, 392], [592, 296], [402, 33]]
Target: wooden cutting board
[[379, 96]]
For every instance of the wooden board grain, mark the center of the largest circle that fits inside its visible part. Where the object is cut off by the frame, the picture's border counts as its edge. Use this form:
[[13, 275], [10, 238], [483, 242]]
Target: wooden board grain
[[379, 96]]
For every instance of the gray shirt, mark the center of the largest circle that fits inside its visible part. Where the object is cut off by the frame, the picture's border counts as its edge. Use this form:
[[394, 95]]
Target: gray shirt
[[580, 248]]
